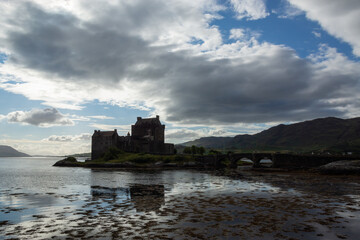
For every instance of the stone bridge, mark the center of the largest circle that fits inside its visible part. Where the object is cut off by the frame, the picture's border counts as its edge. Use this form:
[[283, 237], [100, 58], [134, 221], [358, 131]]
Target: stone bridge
[[279, 160]]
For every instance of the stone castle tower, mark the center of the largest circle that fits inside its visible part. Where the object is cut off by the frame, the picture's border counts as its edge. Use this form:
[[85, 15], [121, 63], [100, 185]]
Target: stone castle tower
[[147, 136]]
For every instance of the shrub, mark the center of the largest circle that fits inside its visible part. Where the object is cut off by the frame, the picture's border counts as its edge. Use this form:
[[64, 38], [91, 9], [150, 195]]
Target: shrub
[[178, 158], [214, 152], [194, 150], [70, 159], [112, 153]]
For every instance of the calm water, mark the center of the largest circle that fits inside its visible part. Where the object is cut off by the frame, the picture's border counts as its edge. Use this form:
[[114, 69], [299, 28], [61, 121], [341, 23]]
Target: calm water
[[38, 201]]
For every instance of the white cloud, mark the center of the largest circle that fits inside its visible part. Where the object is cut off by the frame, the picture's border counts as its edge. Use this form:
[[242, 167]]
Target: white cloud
[[122, 129], [237, 33], [244, 34], [288, 10], [316, 34], [181, 135], [101, 117], [69, 138], [339, 18], [249, 9], [47, 117]]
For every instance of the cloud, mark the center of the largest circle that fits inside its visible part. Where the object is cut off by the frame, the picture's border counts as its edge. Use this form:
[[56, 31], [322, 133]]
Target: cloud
[[339, 18], [249, 9], [183, 135], [180, 135], [316, 34], [101, 117], [51, 148], [237, 33], [288, 10], [139, 55], [47, 117], [69, 138], [124, 129], [244, 34]]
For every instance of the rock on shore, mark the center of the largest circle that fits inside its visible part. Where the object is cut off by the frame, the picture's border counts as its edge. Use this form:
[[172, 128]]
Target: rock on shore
[[67, 162], [341, 167]]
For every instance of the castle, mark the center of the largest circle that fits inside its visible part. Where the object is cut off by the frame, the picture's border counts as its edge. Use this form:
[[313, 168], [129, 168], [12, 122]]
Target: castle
[[147, 136]]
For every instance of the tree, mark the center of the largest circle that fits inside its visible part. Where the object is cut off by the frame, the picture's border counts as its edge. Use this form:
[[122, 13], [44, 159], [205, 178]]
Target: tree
[[201, 150], [187, 150], [193, 149], [214, 152]]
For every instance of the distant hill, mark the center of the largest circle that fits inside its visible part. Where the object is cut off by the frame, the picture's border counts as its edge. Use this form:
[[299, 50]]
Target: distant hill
[[323, 134], [7, 151]]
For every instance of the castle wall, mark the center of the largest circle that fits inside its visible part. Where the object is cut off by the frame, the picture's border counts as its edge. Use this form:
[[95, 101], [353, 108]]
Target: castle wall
[[148, 136], [100, 144], [159, 133]]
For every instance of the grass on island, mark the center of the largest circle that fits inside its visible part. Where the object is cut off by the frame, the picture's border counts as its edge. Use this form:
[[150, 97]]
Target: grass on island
[[114, 155]]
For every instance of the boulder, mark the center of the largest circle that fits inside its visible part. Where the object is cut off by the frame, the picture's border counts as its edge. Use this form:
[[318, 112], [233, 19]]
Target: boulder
[[341, 167]]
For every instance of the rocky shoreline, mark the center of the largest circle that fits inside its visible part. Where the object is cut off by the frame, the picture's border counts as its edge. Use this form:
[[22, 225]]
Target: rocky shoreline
[[351, 167], [129, 165], [341, 167]]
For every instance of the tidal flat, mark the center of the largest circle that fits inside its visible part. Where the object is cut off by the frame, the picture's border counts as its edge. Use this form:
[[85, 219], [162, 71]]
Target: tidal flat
[[38, 201]]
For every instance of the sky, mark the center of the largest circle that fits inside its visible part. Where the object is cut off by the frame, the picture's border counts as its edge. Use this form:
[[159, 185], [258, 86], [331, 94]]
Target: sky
[[207, 67]]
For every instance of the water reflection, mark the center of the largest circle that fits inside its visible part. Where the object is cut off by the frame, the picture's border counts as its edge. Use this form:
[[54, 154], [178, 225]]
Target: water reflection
[[147, 197], [144, 198], [98, 192]]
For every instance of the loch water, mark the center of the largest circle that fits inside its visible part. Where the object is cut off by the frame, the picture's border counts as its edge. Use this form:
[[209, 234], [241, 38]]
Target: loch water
[[38, 201]]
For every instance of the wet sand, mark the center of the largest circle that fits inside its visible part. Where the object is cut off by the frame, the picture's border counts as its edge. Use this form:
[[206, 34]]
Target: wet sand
[[268, 206]]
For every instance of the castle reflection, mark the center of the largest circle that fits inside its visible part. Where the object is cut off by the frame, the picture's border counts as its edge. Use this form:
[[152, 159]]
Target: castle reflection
[[144, 198], [147, 197]]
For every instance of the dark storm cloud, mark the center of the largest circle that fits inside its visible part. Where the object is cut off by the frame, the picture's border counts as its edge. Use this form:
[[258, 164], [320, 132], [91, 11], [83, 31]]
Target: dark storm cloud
[[274, 88], [269, 84], [59, 44]]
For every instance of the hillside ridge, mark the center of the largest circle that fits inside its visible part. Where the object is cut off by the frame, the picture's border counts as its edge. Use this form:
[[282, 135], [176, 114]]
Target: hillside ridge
[[322, 134], [7, 151]]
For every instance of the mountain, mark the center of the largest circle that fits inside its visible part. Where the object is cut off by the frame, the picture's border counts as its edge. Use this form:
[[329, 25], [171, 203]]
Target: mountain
[[321, 134], [7, 151]]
